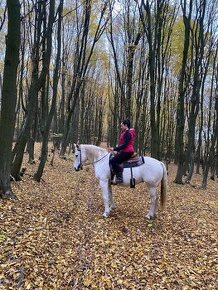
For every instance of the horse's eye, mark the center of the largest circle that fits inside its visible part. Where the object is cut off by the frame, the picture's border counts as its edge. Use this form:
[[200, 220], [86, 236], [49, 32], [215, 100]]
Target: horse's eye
[[76, 155]]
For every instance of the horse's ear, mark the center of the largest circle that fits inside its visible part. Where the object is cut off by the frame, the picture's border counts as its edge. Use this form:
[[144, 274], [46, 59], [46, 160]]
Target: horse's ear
[[75, 145]]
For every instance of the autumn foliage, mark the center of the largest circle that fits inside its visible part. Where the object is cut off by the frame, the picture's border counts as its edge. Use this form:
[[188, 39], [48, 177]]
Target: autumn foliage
[[54, 236]]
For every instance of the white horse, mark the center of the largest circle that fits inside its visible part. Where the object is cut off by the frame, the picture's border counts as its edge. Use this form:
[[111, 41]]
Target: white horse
[[152, 172]]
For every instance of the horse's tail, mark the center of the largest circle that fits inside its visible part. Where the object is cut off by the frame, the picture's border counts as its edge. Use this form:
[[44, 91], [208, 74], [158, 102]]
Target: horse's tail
[[163, 192]]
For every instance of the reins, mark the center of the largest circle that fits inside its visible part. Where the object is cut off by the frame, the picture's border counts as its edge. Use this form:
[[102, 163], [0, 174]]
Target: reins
[[100, 159], [90, 163]]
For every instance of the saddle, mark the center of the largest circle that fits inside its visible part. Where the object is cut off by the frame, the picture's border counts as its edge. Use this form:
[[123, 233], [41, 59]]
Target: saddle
[[134, 161]]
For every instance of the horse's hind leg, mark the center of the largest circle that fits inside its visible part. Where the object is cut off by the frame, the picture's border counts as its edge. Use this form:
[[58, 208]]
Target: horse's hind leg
[[154, 200], [105, 191], [110, 195]]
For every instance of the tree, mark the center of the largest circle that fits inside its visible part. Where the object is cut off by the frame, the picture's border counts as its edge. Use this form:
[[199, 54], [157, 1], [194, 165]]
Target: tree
[[37, 80], [157, 18], [211, 130], [9, 96], [183, 84], [83, 54], [49, 117], [198, 40]]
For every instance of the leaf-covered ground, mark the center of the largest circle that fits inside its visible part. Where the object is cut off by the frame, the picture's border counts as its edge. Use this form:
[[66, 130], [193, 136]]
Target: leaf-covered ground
[[54, 235]]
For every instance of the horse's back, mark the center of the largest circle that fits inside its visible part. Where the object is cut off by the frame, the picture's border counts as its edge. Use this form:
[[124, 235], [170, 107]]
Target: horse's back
[[152, 170]]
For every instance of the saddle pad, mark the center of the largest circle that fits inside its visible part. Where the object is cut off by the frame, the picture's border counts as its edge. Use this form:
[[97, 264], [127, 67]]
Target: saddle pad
[[133, 162]]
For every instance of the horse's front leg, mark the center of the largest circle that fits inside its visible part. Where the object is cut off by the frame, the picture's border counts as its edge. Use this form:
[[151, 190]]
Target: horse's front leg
[[154, 199], [105, 192], [111, 200]]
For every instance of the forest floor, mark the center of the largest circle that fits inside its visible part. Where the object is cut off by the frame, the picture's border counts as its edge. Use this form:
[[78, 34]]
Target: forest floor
[[54, 236]]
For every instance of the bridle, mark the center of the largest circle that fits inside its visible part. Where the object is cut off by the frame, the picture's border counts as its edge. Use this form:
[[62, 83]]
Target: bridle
[[80, 166]]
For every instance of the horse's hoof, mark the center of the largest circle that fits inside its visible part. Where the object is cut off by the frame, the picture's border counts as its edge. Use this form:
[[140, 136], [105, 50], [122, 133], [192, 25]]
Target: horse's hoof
[[105, 214], [150, 217], [113, 182]]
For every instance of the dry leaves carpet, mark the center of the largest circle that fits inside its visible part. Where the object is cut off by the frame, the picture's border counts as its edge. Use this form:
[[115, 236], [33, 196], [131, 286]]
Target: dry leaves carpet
[[54, 235]]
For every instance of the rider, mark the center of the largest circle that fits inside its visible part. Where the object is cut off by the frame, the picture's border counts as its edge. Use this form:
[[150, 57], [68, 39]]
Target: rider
[[124, 150]]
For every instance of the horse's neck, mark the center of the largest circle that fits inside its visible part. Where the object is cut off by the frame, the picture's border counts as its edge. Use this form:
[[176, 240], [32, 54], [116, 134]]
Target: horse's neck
[[92, 152]]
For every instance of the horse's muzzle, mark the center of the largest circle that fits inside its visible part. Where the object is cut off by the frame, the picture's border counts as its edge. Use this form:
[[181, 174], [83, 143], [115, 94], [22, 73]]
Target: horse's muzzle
[[78, 168]]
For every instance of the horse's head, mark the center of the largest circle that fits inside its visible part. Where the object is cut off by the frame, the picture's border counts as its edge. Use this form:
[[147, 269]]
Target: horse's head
[[78, 158]]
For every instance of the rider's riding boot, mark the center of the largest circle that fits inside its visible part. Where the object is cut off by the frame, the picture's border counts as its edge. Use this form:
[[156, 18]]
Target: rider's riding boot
[[119, 177], [112, 175]]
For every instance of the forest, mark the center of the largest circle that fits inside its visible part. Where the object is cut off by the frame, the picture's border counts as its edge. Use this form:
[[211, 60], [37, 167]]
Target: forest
[[70, 72]]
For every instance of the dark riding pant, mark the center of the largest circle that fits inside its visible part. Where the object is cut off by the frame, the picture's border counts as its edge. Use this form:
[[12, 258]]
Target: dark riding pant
[[118, 159]]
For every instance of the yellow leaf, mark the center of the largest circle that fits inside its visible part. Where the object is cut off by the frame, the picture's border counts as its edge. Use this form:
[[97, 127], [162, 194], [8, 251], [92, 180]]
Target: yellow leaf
[[87, 282]]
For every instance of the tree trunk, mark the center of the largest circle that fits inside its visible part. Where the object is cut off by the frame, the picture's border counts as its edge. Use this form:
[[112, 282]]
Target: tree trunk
[[44, 151], [36, 84], [83, 57], [9, 96], [198, 81], [180, 119]]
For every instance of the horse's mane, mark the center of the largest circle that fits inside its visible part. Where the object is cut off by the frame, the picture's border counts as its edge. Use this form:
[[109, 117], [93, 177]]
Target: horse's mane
[[94, 147], [91, 150]]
